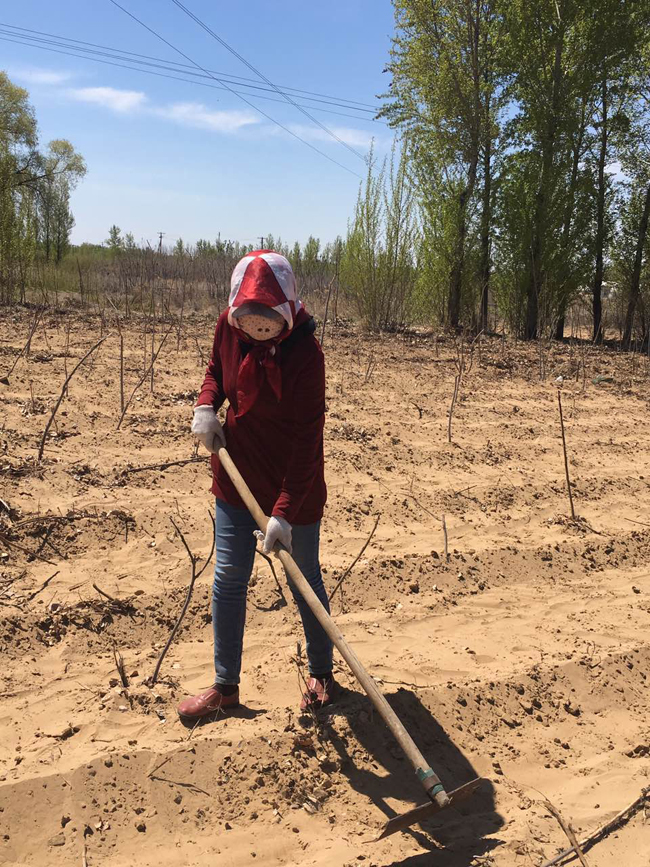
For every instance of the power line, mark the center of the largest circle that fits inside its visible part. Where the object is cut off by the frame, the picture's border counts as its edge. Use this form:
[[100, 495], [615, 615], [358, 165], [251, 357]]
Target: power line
[[254, 69], [243, 98], [17, 41], [182, 67]]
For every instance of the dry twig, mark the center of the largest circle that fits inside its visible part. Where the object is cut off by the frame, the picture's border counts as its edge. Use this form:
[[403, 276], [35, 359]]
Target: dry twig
[[444, 533], [25, 349], [193, 561], [566, 460], [588, 841], [195, 460], [356, 559], [144, 375], [275, 574], [12, 544], [119, 665], [41, 588], [327, 307], [568, 830], [41, 447], [463, 366]]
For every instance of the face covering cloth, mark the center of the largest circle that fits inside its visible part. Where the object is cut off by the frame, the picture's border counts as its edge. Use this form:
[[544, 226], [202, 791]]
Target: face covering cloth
[[263, 277]]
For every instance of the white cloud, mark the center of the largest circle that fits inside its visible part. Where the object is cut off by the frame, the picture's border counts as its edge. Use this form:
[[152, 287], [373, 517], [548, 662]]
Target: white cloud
[[354, 137], [195, 114], [34, 75], [110, 97]]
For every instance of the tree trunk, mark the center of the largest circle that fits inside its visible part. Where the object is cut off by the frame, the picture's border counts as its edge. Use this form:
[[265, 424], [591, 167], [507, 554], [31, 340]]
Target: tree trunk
[[485, 231], [456, 276], [568, 213], [600, 221], [636, 273], [535, 277]]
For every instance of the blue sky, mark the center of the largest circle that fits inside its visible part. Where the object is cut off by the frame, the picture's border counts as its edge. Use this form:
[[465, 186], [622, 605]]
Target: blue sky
[[192, 161]]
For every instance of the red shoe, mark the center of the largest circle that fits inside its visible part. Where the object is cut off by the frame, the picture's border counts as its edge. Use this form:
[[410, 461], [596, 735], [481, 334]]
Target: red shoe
[[207, 702], [320, 692]]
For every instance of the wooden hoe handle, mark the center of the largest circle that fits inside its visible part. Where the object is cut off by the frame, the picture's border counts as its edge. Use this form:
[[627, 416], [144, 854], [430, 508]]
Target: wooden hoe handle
[[425, 774]]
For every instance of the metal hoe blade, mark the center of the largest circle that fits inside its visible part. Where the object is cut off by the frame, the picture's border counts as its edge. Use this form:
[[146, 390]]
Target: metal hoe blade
[[425, 811]]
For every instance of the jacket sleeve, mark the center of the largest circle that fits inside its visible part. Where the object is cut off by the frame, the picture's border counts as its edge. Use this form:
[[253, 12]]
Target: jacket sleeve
[[306, 450], [212, 393]]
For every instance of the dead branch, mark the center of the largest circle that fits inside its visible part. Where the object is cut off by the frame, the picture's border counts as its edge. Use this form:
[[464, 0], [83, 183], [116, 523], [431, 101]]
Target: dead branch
[[200, 351], [418, 503], [41, 588], [356, 559], [464, 362], [588, 841], [12, 544], [299, 661], [444, 533], [121, 372], [640, 523], [193, 561], [454, 398], [144, 375], [568, 830], [25, 350], [72, 515], [119, 665], [117, 603], [370, 367], [275, 574], [199, 459], [566, 460], [41, 447], [327, 306]]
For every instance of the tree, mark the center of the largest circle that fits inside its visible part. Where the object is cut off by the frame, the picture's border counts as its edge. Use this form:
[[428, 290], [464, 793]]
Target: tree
[[63, 169], [115, 241], [34, 190], [444, 97], [635, 160], [378, 263]]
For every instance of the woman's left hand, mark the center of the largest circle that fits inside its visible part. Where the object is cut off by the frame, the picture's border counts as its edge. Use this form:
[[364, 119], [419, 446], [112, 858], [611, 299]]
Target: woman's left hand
[[277, 530]]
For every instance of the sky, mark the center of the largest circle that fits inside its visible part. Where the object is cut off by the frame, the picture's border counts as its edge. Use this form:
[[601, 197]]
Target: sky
[[193, 161]]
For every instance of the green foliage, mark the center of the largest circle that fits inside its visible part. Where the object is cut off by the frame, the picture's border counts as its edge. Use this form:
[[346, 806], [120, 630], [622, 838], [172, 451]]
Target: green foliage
[[115, 242], [378, 265], [35, 187], [513, 112]]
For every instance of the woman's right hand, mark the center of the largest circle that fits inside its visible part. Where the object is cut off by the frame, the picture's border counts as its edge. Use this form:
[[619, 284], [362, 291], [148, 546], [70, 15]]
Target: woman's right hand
[[206, 427]]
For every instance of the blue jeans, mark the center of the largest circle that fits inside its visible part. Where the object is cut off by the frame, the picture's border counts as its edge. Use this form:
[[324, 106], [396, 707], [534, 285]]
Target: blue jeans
[[235, 555]]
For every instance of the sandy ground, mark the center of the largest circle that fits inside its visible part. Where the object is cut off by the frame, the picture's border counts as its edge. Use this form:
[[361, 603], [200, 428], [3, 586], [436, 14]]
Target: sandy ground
[[523, 659]]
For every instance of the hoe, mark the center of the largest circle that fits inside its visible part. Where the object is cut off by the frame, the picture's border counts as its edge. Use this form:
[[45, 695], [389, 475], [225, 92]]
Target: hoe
[[439, 799]]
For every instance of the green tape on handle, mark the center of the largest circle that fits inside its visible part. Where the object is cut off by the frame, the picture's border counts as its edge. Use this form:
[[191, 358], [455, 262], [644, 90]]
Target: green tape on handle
[[424, 774]]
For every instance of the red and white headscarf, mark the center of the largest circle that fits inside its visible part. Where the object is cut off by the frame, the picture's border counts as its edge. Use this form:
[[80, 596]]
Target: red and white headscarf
[[265, 277]]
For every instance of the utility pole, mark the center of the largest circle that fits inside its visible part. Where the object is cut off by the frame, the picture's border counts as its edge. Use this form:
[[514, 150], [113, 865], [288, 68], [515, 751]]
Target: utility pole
[[261, 242], [160, 237]]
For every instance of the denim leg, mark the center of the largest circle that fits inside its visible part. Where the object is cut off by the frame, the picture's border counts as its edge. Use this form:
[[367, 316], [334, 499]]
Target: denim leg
[[305, 541], [234, 564]]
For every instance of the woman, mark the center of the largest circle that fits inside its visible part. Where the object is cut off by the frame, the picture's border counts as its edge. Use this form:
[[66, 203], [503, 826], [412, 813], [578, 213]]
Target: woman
[[268, 364]]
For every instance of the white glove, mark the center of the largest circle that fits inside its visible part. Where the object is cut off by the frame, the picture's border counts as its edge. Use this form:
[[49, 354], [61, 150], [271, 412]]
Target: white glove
[[206, 427], [277, 530]]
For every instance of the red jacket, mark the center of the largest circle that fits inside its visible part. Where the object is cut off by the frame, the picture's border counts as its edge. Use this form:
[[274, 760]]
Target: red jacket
[[277, 445]]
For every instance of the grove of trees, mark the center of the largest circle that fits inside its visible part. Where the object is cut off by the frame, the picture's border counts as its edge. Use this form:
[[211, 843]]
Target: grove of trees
[[35, 185], [516, 197], [525, 132]]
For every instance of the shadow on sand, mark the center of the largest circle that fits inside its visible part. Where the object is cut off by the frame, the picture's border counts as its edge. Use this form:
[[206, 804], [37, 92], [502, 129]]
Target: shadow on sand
[[460, 830]]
